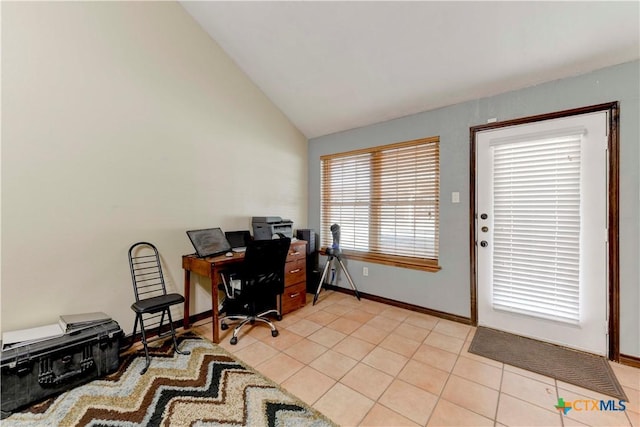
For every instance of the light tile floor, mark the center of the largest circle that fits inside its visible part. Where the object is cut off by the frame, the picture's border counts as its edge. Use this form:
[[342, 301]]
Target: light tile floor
[[363, 363]]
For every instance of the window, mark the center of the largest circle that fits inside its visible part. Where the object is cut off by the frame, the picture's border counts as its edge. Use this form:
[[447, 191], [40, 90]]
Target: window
[[386, 201]]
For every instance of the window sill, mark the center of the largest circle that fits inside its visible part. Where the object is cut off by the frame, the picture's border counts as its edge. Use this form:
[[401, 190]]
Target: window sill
[[392, 260]]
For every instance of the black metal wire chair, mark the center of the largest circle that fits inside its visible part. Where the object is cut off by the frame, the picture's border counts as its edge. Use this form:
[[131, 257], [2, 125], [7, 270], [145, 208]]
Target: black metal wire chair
[[152, 299]]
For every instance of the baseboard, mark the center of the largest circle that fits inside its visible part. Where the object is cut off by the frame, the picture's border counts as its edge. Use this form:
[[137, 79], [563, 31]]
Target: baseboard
[[416, 308], [626, 359], [129, 339]]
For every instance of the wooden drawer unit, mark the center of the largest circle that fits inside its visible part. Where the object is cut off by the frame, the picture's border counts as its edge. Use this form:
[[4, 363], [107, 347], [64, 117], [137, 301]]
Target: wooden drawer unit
[[294, 297], [295, 278], [297, 250], [295, 272]]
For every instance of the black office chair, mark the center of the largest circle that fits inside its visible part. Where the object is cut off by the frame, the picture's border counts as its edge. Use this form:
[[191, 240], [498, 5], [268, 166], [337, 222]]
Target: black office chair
[[253, 289], [152, 299]]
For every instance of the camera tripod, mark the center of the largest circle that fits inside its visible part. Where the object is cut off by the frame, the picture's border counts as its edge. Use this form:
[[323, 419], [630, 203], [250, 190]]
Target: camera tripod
[[332, 255]]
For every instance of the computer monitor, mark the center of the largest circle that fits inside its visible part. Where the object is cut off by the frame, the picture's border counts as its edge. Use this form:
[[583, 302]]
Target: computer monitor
[[209, 242], [238, 239]]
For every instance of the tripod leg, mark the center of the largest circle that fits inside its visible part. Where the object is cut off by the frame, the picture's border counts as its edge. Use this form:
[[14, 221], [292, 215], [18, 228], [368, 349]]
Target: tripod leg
[[346, 273], [324, 274]]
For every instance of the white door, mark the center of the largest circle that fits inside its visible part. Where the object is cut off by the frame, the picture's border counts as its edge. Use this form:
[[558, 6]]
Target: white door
[[541, 230]]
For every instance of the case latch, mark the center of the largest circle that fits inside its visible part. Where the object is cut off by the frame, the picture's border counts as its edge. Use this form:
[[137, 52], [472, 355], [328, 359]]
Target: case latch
[[22, 362]]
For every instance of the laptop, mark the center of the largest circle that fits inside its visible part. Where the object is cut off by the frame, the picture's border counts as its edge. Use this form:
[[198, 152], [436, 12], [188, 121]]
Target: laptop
[[209, 242], [238, 240]]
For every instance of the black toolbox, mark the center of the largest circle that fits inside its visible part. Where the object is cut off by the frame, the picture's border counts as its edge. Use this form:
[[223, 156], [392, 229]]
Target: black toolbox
[[39, 370]]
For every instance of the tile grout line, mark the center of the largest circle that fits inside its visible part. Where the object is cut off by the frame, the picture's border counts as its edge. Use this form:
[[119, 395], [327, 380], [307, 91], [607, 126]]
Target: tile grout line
[[446, 381], [560, 414], [495, 415]]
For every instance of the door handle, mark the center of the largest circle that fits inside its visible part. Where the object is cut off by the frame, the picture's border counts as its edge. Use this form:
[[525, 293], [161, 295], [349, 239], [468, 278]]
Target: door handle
[[484, 244]]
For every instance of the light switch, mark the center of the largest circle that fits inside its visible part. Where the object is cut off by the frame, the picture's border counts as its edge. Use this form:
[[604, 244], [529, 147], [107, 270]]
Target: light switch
[[455, 197]]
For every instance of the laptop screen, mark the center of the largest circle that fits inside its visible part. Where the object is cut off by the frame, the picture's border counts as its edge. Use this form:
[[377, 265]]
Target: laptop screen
[[209, 242], [238, 239]]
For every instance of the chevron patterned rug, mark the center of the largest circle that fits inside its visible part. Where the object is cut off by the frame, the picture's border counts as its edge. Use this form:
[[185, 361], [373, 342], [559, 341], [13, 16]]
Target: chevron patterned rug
[[209, 387]]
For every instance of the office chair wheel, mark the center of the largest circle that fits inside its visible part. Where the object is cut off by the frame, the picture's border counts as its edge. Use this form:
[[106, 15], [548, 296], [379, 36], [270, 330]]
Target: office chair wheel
[[224, 326], [234, 340], [274, 333], [279, 317]]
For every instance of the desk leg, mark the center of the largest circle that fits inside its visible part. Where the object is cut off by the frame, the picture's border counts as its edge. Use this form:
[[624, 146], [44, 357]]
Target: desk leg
[[215, 327], [187, 291]]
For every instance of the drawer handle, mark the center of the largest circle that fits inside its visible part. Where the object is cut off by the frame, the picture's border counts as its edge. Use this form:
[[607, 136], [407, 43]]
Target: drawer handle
[[294, 271], [295, 253], [294, 295]]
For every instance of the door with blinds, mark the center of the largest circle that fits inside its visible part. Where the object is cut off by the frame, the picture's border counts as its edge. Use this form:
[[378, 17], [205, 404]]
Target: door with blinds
[[541, 230]]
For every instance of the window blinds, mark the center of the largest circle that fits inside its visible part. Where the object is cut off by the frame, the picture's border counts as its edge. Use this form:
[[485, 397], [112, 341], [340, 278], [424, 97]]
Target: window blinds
[[346, 200], [385, 199], [536, 248]]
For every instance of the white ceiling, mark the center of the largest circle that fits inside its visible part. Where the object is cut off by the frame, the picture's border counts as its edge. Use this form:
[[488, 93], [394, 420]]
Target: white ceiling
[[332, 66]]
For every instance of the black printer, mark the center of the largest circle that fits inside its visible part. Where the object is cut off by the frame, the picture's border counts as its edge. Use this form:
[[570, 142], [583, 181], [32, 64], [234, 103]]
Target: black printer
[[264, 227]]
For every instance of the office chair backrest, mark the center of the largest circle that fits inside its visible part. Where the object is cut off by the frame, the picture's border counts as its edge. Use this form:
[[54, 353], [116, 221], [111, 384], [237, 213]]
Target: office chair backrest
[[264, 264], [146, 272]]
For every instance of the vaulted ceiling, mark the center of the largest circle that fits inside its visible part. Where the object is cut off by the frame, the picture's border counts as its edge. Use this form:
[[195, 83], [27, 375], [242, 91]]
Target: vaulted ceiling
[[331, 66]]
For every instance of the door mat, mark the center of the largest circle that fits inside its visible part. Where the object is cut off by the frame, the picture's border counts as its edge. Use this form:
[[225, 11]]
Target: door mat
[[571, 366]]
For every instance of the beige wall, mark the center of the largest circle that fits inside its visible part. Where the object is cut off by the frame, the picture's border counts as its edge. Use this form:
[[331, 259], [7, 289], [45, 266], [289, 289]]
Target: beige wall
[[124, 122]]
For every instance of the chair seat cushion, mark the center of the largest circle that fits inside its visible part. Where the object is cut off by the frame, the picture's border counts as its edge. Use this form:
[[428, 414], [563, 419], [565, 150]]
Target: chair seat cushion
[[155, 304]]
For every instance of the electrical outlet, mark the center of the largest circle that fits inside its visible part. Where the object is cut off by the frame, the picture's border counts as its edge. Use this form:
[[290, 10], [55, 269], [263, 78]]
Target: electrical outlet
[[365, 271]]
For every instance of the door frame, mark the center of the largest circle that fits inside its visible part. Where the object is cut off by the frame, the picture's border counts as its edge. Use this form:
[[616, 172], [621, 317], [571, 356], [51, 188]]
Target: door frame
[[613, 186]]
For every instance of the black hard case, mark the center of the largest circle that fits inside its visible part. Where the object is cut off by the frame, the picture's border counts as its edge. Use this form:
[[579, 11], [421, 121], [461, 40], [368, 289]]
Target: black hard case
[[33, 372]]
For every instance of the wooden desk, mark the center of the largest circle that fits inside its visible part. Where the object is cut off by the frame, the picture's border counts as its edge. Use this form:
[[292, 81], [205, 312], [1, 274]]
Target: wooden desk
[[207, 267]]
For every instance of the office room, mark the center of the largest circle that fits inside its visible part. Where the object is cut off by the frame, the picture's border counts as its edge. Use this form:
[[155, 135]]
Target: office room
[[137, 121]]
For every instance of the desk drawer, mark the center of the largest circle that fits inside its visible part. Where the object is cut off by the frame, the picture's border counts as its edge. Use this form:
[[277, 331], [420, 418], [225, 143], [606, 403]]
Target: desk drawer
[[294, 297], [297, 250], [295, 271]]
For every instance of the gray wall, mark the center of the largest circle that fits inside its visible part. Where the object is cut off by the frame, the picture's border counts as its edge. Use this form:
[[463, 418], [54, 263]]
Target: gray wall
[[449, 289]]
